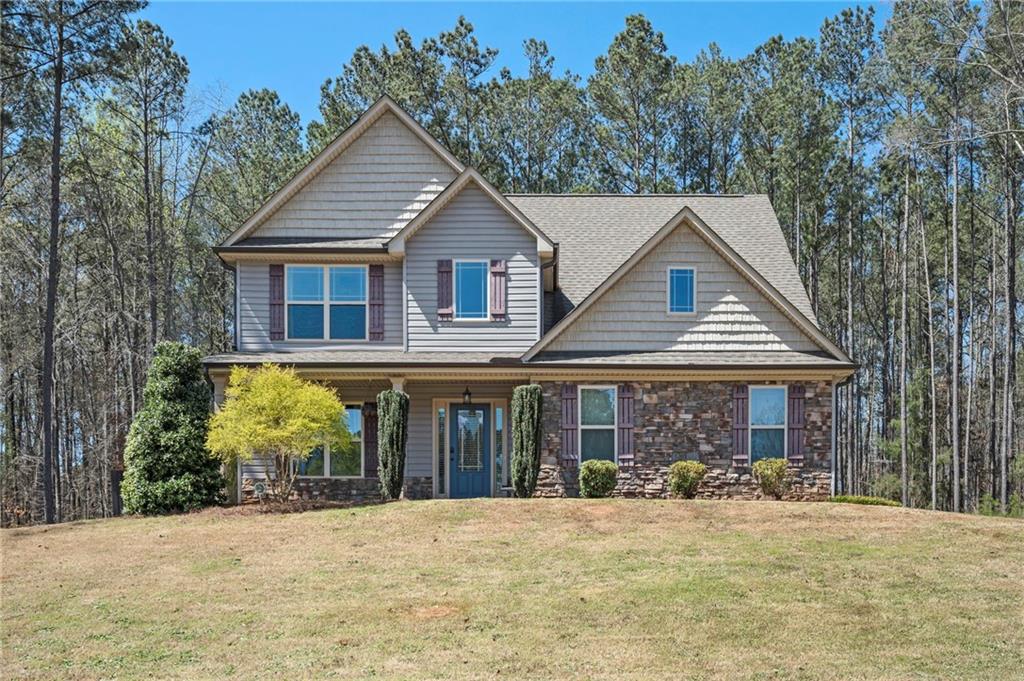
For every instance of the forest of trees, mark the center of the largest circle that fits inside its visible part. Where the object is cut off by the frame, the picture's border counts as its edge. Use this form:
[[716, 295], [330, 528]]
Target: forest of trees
[[893, 154]]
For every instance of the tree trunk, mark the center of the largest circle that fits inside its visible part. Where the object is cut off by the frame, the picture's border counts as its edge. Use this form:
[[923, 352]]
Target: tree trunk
[[53, 273]]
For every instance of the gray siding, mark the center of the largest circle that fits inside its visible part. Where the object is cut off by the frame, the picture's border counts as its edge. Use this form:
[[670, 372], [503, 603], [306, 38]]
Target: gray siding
[[472, 226], [254, 309], [731, 313], [373, 188]]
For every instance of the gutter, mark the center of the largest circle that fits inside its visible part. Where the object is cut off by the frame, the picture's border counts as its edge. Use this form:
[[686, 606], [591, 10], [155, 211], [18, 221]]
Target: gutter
[[284, 250]]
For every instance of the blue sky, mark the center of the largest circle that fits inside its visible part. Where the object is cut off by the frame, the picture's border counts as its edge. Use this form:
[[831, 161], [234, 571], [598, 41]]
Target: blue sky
[[293, 47]]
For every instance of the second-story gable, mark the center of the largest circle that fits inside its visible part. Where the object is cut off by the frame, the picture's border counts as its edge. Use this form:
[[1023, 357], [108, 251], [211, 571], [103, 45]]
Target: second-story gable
[[472, 279]]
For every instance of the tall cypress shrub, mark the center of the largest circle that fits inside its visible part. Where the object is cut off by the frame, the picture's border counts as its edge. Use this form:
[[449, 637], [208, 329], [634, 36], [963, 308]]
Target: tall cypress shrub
[[167, 467], [392, 433], [526, 405]]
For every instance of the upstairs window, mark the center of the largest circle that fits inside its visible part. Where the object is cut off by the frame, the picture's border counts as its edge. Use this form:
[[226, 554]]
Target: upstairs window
[[767, 422], [682, 290], [597, 422], [338, 315], [471, 289]]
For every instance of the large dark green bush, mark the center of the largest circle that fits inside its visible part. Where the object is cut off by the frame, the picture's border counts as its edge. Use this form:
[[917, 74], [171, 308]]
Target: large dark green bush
[[863, 500], [167, 466], [597, 479], [392, 433], [684, 478], [526, 405], [772, 476]]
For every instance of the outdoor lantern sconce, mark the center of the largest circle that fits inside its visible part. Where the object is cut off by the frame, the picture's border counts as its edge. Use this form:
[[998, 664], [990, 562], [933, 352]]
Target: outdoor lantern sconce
[[467, 397]]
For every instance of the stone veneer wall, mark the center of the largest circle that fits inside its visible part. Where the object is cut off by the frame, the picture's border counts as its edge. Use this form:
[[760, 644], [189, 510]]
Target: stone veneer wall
[[690, 420], [355, 490]]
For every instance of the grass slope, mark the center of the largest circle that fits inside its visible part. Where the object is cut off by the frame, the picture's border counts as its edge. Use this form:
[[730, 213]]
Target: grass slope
[[541, 588]]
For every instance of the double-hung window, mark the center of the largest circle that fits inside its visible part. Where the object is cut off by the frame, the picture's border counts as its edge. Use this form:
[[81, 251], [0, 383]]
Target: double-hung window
[[326, 302], [471, 289], [682, 290], [767, 422], [598, 420], [338, 462]]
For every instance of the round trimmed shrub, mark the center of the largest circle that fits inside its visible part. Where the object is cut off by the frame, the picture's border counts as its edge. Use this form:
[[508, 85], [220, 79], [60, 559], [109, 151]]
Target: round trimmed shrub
[[772, 477], [684, 478], [597, 479]]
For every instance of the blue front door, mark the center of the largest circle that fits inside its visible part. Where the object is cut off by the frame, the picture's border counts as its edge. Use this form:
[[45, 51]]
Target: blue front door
[[469, 451]]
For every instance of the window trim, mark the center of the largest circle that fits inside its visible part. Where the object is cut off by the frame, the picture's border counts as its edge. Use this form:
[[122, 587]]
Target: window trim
[[785, 418], [487, 290], [615, 419], [326, 303], [327, 453], [668, 290]]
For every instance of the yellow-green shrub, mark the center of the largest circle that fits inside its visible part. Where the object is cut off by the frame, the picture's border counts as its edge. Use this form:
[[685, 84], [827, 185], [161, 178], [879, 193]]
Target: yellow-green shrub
[[772, 477]]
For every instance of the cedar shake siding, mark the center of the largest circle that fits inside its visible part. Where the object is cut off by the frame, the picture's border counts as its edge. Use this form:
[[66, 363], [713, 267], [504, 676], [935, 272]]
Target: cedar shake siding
[[731, 314], [374, 188], [254, 309], [472, 227]]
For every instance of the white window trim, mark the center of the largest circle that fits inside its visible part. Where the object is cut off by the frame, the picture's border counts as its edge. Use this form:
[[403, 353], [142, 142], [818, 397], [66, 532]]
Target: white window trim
[[362, 453], [615, 419], [487, 290], [785, 418], [447, 403], [668, 290], [327, 302]]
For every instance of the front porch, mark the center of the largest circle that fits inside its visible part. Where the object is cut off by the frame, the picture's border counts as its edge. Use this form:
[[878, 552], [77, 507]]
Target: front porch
[[458, 444]]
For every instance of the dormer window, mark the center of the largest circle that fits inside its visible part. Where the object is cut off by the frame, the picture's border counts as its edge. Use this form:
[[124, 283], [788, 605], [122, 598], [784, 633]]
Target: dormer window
[[339, 315], [471, 289], [682, 290]]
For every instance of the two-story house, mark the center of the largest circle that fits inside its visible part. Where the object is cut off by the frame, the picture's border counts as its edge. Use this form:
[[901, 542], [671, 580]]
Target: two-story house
[[660, 327]]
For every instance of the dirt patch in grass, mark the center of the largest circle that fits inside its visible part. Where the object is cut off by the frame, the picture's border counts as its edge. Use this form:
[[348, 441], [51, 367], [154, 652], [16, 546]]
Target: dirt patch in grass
[[518, 588]]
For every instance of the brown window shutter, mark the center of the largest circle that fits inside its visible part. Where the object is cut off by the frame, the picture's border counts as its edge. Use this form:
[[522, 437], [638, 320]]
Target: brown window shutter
[[740, 427], [276, 302], [498, 289], [370, 439], [796, 420], [625, 429], [376, 283], [570, 432], [444, 290]]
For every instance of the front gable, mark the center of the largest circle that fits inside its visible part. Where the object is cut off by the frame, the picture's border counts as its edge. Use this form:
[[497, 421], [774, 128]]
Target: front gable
[[732, 313], [369, 182]]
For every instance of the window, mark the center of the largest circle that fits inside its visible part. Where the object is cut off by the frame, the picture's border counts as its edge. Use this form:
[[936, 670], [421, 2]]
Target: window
[[681, 290], [597, 423], [343, 318], [767, 422], [342, 462], [501, 467], [471, 289]]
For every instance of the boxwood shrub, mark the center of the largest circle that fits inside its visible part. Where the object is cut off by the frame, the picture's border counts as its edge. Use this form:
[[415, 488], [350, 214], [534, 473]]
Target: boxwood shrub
[[772, 477], [597, 479], [863, 500], [684, 478]]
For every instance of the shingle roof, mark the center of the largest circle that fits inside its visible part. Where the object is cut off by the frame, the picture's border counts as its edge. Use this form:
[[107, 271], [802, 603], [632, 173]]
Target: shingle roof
[[341, 358], [596, 233], [296, 244], [783, 358]]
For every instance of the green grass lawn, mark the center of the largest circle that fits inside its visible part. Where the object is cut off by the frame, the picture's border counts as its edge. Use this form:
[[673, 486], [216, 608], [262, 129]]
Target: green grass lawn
[[517, 589]]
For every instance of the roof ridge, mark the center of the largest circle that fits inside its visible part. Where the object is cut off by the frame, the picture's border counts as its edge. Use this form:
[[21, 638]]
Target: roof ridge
[[630, 196]]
